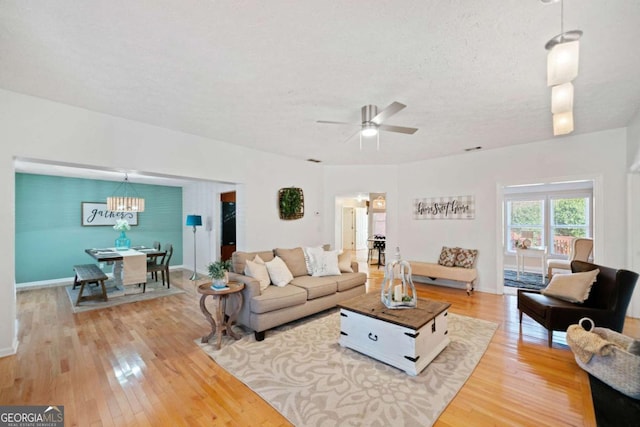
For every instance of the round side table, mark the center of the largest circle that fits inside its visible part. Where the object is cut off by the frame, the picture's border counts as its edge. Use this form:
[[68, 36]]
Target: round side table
[[220, 300]]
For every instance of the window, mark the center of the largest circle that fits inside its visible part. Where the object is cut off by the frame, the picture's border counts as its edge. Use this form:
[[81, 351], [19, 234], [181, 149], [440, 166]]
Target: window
[[549, 215]]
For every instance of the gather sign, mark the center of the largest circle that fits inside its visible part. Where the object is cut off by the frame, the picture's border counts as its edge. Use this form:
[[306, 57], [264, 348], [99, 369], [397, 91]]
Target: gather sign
[[455, 207], [95, 213]]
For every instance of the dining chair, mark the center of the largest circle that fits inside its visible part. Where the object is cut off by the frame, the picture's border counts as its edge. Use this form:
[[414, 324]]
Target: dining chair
[[163, 265], [154, 261]]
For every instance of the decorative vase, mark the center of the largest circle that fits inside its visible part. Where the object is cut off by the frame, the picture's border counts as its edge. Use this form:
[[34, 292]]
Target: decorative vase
[[123, 242], [219, 283]]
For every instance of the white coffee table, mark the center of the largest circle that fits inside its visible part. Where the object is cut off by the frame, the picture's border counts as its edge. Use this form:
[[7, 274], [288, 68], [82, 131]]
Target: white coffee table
[[408, 339]]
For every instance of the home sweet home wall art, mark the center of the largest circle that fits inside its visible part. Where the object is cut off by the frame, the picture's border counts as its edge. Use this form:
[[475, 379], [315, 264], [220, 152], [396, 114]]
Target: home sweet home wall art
[[456, 207]]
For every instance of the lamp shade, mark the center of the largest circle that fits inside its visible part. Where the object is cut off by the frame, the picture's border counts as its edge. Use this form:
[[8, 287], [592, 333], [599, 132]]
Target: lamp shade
[[562, 63], [194, 220], [562, 98], [563, 123]]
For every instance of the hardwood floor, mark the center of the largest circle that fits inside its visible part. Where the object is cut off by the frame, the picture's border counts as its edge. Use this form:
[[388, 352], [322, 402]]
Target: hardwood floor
[[138, 365]]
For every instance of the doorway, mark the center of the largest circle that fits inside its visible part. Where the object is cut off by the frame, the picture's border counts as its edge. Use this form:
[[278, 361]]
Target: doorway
[[228, 225]]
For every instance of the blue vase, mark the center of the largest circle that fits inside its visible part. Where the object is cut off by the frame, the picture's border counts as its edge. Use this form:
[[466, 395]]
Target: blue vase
[[123, 242]]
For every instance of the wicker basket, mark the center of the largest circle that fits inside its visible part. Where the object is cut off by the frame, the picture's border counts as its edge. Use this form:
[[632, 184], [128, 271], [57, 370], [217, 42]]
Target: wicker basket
[[620, 369]]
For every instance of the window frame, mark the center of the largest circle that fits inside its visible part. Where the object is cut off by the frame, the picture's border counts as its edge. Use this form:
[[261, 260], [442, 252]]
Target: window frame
[[547, 194]]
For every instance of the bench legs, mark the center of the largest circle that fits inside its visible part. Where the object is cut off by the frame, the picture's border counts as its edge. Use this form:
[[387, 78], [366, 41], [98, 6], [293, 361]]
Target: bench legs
[[82, 284]]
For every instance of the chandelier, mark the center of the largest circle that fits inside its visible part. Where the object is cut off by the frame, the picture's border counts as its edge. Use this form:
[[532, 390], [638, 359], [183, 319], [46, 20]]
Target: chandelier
[[125, 199]]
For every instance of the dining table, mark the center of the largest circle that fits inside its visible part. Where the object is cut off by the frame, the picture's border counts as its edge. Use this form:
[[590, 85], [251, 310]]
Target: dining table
[[129, 265]]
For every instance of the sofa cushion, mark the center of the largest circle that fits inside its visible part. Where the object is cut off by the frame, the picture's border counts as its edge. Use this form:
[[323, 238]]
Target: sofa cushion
[[344, 262], [350, 280], [275, 298], [309, 253], [258, 270], [325, 264], [316, 286], [294, 258], [278, 272], [238, 259]]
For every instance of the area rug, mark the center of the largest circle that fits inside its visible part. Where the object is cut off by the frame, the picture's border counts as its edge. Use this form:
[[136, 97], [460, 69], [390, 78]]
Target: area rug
[[311, 380], [527, 280], [117, 295]]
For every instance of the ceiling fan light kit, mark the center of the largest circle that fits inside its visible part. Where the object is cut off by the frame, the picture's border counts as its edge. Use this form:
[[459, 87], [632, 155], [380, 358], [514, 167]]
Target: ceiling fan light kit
[[372, 122], [562, 69]]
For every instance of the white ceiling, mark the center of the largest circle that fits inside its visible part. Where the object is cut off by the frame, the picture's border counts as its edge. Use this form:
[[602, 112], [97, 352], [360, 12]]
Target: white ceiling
[[260, 73]]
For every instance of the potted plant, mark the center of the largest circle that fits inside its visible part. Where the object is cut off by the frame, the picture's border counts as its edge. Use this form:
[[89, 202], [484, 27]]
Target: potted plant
[[218, 271]]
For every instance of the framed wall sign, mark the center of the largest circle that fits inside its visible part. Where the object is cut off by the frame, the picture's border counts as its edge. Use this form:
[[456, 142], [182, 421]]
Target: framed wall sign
[[457, 207], [96, 214]]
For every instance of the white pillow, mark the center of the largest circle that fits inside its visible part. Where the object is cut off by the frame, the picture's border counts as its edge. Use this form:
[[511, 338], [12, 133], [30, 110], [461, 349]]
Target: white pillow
[[574, 287], [278, 272], [309, 253], [344, 262], [258, 270], [325, 264]]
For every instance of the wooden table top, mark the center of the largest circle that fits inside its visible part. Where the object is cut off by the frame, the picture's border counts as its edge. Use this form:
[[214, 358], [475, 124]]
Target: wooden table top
[[414, 318], [109, 254], [233, 287]]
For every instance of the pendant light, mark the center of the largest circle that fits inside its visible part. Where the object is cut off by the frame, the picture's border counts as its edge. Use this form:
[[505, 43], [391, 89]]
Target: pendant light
[[125, 199], [562, 69]]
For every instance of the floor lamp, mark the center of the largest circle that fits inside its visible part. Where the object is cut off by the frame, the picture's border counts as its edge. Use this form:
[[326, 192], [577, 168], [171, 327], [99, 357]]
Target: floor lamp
[[194, 221]]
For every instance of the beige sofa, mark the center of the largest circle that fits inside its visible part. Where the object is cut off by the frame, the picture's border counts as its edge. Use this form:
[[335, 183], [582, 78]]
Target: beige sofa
[[303, 296]]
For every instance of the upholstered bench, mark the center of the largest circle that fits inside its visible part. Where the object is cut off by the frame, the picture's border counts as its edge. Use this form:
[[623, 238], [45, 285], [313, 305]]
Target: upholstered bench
[[436, 271]]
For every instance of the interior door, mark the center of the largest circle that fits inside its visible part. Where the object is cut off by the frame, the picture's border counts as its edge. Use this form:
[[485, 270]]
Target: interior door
[[348, 229], [228, 222]]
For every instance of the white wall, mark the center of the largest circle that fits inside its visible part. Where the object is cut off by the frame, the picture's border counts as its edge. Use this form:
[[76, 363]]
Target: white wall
[[481, 173], [34, 128]]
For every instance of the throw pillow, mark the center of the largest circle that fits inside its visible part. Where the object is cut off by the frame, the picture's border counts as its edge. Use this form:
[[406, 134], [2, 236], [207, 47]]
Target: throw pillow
[[278, 272], [309, 253], [574, 287], [258, 270], [465, 258], [448, 256], [294, 258], [325, 264], [344, 262]]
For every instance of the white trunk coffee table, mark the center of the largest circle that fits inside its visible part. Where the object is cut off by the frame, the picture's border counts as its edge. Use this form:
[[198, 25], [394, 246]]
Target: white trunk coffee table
[[408, 339]]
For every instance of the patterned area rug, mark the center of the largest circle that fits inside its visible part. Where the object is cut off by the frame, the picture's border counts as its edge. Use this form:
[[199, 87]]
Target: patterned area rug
[[117, 295], [527, 280], [304, 373]]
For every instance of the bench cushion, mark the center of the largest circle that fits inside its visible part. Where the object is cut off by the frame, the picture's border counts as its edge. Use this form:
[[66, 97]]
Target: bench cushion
[[428, 269]]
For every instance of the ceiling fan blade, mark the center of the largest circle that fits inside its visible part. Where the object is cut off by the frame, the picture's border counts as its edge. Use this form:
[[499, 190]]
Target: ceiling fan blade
[[337, 123], [392, 109], [351, 136], [400, 129]]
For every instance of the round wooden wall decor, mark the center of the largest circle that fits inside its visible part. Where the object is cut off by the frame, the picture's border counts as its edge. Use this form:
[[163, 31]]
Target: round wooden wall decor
[[291, 203]]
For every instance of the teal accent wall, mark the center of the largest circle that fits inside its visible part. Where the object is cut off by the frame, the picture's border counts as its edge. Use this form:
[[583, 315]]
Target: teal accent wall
[[50, 239]]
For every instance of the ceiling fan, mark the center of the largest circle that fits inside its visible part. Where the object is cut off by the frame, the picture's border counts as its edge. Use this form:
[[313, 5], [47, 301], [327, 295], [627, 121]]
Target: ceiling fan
[[372, 121]]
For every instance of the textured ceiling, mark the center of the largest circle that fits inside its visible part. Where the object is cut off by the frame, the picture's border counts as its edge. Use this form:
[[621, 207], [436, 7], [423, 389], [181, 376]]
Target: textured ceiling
[[260, 73]]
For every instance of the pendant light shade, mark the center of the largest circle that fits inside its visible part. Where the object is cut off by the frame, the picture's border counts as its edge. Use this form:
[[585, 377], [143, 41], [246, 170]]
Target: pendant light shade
[[125, 199], [562, 63], [562, 98], [562, 68], [563, 123]]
